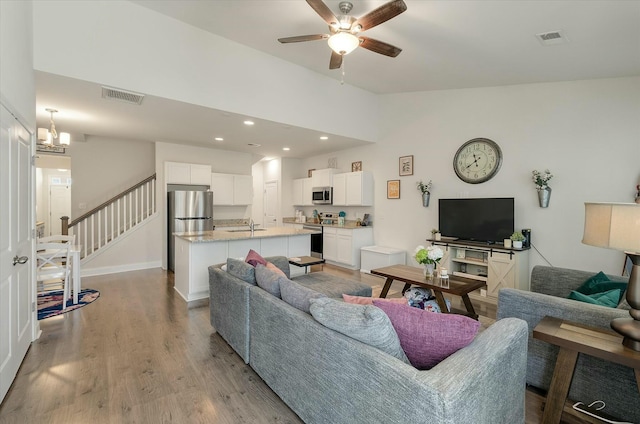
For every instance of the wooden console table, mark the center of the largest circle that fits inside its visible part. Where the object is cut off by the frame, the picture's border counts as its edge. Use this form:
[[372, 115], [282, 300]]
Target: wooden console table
[[573, 338]]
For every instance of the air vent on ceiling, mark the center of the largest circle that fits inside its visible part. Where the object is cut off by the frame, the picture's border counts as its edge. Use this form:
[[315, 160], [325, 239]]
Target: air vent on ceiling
[[121, 95], [552, 37]]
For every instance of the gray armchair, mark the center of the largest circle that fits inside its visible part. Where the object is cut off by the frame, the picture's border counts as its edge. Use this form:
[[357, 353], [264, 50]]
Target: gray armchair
[[594, 379]]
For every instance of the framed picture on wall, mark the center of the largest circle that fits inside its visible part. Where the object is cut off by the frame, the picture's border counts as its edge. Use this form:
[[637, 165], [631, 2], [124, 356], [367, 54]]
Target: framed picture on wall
[[393, 189], [310, 172], [406, 165]]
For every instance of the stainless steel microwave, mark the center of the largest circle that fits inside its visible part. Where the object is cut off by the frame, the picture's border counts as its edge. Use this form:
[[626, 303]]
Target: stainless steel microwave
[[322, 195]]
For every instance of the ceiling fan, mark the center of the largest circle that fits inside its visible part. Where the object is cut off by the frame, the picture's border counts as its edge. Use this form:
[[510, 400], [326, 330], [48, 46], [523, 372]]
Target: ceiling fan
[[345, 31]]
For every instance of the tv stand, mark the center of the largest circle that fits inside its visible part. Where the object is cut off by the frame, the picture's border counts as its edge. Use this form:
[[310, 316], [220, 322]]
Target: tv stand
[[496, 265]]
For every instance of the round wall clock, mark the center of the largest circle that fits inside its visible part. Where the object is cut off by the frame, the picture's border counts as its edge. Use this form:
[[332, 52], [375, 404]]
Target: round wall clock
[[477, 160]]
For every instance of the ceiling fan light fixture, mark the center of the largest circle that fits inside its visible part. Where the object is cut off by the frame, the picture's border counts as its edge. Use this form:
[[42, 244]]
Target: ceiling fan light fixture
[[343, 42]]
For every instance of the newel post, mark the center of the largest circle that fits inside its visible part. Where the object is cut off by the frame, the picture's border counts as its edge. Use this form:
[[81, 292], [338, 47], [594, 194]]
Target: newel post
[[65, 225]]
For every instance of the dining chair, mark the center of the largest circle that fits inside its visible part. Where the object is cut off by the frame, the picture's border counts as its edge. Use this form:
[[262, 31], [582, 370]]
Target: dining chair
[[53, 268]]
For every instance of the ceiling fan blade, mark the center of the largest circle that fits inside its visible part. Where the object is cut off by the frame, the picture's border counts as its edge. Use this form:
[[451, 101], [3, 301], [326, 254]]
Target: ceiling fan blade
[[380, 15], [336, 61], [324, 12], [379, 47], [300, 38]]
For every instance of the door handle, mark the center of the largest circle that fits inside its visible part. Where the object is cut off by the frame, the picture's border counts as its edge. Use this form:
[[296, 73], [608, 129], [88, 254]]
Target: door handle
[[20, 260]]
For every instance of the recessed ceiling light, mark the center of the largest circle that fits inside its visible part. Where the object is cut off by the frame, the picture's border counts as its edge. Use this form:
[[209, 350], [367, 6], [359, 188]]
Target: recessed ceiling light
[[286, 149], [324, 137], [219, 139], [254, 144], [249, 122]]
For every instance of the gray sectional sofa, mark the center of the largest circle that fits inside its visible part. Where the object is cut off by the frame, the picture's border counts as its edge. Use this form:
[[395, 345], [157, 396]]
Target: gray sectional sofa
[[594, 379], [327, 377]]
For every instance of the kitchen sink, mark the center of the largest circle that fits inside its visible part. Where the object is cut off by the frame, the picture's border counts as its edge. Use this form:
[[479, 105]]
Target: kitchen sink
[[246, 231]]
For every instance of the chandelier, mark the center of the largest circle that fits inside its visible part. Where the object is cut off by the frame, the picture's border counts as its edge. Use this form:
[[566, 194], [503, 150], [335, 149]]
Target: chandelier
[[46, 136]]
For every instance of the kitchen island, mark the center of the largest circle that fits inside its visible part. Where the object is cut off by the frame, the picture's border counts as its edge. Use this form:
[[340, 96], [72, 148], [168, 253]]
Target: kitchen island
[[194, 253]]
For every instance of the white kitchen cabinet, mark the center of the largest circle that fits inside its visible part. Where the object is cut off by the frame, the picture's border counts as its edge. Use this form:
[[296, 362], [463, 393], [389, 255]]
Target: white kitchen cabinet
[[230, 189], [342, 245], [302, 192], [323, 177], [353, 189], [187, 173]]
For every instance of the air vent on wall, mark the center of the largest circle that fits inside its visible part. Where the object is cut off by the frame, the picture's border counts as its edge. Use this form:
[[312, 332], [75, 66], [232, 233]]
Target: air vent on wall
[[122, 95], [552, 37]]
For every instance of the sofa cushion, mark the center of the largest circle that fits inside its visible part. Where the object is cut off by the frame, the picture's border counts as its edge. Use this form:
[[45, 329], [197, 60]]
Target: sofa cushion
[[241, 270], [609, 298], [254, 258], [363, 300], [426, 337], [269, 280], [296, 295], [332, 285], [270, 266], [365, 323]]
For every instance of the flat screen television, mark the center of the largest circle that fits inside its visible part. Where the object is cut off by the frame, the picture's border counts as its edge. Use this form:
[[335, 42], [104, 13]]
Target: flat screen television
[[485, 220]]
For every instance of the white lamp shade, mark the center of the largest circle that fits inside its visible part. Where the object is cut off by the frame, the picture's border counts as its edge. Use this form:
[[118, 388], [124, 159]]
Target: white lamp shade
[[612, 225], [43, 134], [65, 138], [343, 42]]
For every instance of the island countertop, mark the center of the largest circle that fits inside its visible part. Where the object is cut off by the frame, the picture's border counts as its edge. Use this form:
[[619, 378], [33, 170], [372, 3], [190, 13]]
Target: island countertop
[[221, 235]]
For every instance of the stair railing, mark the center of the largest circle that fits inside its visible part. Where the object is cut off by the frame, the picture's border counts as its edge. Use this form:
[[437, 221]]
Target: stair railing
[[108, 221]]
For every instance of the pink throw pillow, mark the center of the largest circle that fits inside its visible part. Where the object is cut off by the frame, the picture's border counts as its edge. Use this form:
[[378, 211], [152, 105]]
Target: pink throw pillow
[[362, 300], [254, 258], [428, 338], [275, 269]]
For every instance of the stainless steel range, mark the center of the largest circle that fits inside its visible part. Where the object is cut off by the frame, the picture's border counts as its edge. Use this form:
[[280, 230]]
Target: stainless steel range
[[316, 239]]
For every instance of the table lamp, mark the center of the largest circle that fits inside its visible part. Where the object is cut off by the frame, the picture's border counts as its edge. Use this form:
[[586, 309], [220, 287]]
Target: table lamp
[[617, 226]]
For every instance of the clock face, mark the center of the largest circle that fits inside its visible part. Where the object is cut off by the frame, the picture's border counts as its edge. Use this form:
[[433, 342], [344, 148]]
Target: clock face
[[477, 160]]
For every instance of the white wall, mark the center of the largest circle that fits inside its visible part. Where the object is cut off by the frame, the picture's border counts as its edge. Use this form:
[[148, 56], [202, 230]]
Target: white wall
[[105, 167], [586, 132], [124, 45]]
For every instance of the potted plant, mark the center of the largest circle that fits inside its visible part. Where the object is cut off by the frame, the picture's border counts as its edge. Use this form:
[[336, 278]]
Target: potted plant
[[425, 189], [429, 257], [435, 234], [517, 238], [541, 180]]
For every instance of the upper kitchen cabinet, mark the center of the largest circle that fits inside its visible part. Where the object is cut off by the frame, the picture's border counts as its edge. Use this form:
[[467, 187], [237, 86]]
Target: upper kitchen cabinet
[[353, 189], [230, 189], [187, 173], [302, 192], [323, 177]]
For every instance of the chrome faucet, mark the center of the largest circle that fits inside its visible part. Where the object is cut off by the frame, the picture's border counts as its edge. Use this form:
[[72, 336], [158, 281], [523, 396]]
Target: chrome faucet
[[251, 225]]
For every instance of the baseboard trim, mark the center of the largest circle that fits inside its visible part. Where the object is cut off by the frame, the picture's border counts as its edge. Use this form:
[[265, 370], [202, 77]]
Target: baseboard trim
[[119, 268]]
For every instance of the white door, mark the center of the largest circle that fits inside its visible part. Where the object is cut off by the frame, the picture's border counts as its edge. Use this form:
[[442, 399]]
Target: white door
[[59, 206], [16, 245], [270, 204]]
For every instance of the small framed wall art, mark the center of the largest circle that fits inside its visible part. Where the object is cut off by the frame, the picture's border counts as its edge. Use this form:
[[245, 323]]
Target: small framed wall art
[[393, 189], [310, 172], [406, 165], [356, 166]]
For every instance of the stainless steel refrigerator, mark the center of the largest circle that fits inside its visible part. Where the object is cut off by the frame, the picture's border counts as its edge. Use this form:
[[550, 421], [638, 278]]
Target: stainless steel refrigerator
[[187, 212]]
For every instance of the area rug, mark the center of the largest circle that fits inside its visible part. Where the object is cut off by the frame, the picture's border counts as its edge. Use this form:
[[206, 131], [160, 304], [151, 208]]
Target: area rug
[[50, 304]]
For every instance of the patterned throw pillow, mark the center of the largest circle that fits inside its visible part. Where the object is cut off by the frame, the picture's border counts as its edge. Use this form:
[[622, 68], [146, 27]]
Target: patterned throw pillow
[[254, 258], [429, 338], [365, 323], [269, 280]]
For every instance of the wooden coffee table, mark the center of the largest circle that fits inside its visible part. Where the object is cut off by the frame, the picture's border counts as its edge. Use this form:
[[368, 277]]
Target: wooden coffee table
[[411, 275]]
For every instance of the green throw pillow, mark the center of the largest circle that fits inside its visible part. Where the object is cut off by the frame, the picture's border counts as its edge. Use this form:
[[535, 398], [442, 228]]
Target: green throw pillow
[[609, 298], [600, 283]]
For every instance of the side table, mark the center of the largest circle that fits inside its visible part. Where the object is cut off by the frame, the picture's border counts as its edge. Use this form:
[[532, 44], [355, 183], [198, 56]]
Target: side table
[[573, 338], [306, 261]]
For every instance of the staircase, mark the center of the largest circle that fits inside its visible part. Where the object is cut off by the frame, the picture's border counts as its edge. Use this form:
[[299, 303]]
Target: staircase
[[114, 218]]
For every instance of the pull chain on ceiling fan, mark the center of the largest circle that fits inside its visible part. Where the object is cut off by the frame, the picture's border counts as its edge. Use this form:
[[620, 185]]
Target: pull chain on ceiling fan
[[345, 31]]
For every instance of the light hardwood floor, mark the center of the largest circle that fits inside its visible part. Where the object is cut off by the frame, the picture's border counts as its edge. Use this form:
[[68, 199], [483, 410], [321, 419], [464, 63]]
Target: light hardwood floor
[[138, 355]]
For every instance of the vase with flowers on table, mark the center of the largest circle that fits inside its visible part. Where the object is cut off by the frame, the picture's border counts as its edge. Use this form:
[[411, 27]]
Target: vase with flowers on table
[[429, 257]]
